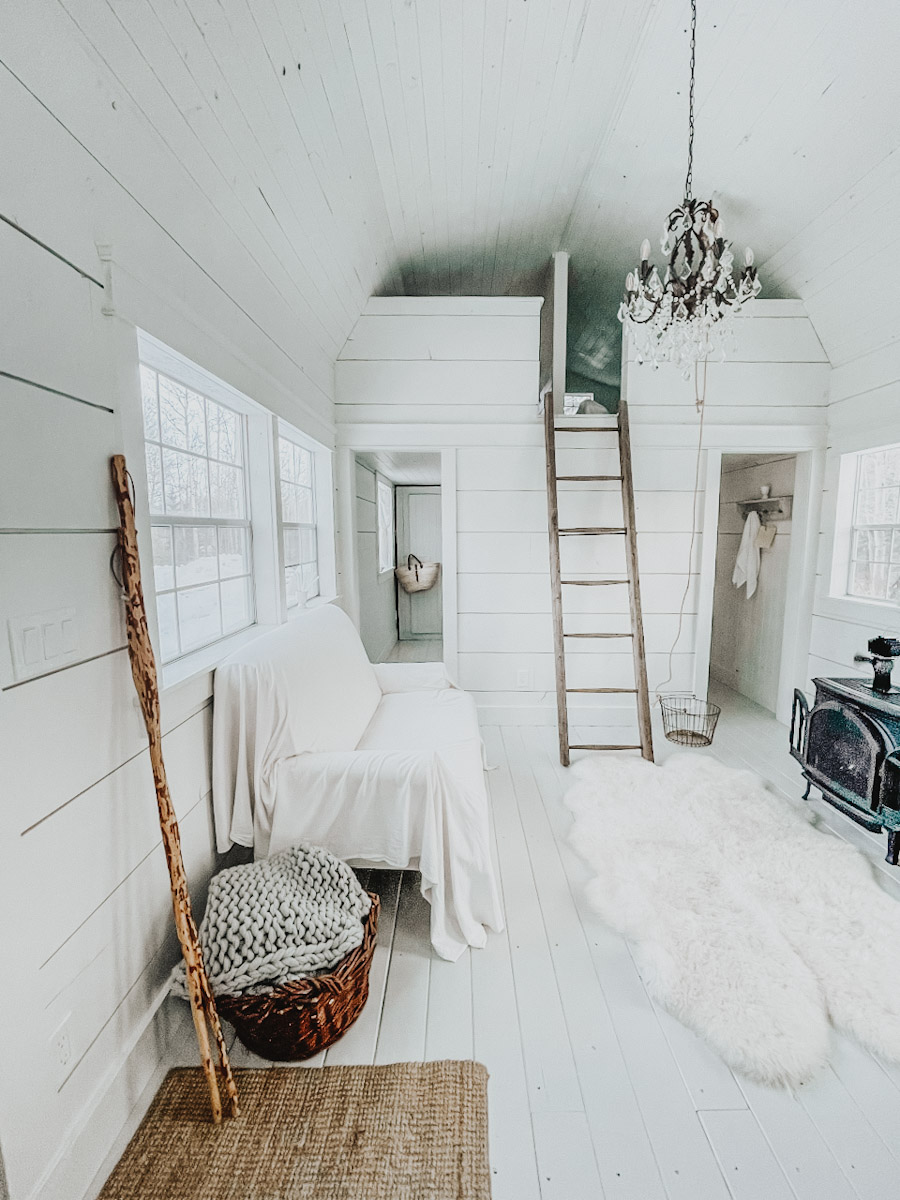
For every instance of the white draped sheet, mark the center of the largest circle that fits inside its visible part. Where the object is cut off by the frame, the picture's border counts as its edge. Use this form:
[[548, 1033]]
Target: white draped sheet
[[379, 765]]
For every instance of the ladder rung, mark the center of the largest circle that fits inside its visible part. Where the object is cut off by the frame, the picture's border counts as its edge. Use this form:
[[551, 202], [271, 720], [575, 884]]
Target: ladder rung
[[632, 747], [599, 635], [590, 582], [592, 478], [592, 530], [586, 429], [605, 691]]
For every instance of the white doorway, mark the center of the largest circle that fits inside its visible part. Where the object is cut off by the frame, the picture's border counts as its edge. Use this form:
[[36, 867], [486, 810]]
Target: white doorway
[[777, 644], [419, 615]]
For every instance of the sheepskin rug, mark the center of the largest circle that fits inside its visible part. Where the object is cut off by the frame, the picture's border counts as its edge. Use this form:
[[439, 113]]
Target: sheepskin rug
[[751, 926]]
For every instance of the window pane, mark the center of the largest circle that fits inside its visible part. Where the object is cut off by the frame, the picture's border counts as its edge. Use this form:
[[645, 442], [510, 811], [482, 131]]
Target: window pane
[[149, 403], [196, 557], [893, 589], [895, 547], [182, 415], [235, 604], [297, 504], [386, 553], [308, 552], [291, 547], [868, 579], [163, 563], [226, 490], [303, 468], [198, 616], [309, 580], [234, 557], [292, 589], [872, 545], [877, 506], [224, 433], [186, 485], [154, 480], [285, 460], [168, 627]]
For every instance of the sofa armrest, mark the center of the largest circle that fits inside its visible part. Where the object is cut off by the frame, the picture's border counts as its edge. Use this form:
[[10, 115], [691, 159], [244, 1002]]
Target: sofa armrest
[[412, 677]]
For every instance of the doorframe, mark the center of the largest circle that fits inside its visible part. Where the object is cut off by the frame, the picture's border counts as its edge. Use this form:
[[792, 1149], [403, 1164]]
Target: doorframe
[[346, 506], [801, 570], [399, 522]]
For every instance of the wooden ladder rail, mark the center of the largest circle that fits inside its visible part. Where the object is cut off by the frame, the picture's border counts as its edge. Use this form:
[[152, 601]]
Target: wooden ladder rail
[[559, 651], [634, 584], [641, 689]]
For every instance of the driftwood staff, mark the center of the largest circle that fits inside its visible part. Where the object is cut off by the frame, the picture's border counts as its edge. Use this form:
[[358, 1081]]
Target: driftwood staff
[[143, 669]]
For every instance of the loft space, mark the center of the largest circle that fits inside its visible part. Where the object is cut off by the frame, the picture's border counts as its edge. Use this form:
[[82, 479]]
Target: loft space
[[423, 542]]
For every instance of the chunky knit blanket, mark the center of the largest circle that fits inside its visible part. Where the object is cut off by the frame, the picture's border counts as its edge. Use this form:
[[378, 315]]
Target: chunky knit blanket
[[287, 917]]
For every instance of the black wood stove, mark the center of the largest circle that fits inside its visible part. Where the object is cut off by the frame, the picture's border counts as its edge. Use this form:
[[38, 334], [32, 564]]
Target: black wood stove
[[848, 744]]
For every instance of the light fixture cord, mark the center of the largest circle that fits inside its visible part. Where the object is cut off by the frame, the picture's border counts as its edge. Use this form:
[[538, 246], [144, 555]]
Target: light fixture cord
[[688, 183]]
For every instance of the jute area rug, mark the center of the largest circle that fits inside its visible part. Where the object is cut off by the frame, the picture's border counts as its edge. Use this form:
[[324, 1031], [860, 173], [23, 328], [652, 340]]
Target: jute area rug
[[409, 1131]]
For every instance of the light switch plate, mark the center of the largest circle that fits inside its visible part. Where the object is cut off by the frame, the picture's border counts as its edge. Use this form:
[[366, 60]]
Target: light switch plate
[[42, 642]]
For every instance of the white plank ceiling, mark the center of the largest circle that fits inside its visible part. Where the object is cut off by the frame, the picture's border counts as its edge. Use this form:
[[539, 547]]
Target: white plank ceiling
[[449, 146]]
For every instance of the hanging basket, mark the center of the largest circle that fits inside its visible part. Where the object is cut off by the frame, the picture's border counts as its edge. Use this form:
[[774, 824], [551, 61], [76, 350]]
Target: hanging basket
[[298, 1019], [689, 721], [417, 576]]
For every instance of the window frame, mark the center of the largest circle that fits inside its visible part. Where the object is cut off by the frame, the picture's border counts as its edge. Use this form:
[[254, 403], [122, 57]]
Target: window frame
[[262, 431], [323, 514], [382, 482], [846, 528]]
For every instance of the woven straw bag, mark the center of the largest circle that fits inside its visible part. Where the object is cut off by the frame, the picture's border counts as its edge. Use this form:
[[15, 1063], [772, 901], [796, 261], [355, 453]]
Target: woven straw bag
[[417, 576], [297, 1020]]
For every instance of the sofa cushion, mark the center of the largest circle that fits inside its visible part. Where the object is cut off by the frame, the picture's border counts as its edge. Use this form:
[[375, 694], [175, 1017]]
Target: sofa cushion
[[423, 721]]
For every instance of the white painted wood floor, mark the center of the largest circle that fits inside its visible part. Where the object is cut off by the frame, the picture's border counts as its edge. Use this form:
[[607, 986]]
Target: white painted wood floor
[[594, 1091], [417, 650]]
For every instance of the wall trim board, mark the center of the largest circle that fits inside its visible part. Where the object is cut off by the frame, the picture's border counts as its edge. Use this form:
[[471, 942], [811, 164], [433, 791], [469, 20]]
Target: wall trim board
[[56, 254], [743, 438], [55, 391], [461, 306]]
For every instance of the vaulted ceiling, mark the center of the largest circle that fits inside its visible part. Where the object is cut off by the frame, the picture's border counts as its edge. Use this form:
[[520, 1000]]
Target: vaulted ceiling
[[450, 146]]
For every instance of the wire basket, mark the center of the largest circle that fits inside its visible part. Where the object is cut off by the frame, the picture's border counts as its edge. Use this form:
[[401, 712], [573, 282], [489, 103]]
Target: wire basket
[[689, 721]]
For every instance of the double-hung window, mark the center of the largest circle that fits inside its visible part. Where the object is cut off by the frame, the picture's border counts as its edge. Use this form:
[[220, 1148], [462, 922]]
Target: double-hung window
[[299, 540], [196, 450], [874, 535]]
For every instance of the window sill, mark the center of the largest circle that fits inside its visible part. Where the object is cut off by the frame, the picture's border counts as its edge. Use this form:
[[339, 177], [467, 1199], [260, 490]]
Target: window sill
[[881, 614]]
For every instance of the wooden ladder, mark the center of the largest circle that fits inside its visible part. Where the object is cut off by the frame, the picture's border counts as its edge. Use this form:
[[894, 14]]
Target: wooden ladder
[[560, 635]]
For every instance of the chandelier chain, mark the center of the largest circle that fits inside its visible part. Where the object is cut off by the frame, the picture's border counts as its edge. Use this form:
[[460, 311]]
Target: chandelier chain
[[688, 183]]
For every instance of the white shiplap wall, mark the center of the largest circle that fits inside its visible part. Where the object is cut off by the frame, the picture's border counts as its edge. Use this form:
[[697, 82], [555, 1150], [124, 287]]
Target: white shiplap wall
[[843, 264], [377, 589], [462, 373], [85, 940]]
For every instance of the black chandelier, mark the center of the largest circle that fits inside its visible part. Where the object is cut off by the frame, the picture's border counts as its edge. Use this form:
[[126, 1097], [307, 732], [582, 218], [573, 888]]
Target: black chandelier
[[685, 316]]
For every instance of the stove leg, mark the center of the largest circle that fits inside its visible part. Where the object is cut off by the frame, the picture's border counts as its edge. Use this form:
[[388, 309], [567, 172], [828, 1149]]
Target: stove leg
[[808, 786], [893, 847]]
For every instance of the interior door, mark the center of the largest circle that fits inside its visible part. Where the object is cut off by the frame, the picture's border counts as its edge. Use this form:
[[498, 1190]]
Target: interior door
[[419, 532]]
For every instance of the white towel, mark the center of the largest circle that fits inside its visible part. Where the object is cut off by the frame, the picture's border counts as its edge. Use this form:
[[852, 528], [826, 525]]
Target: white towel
[[746, 566]]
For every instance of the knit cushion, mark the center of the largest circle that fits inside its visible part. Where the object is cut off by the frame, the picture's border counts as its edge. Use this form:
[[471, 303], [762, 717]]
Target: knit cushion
[[282, 918]]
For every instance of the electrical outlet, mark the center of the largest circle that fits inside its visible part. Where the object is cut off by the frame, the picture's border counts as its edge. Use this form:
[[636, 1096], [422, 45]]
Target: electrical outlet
[[61, 1043], [524, 680]]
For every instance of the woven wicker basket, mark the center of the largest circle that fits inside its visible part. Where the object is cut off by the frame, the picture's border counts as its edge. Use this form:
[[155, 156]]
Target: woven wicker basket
[[297, 1020], [417, 576]]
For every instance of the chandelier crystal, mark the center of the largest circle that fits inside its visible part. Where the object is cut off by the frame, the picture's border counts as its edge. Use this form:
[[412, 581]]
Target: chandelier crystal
[[687, 315]]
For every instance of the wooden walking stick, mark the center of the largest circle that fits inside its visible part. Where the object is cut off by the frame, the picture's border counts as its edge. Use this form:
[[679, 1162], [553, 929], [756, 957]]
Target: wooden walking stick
[[143, 669]]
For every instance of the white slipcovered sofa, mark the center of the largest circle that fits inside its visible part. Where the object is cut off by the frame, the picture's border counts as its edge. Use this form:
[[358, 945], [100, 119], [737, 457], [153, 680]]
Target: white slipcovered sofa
[[382, 765]]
